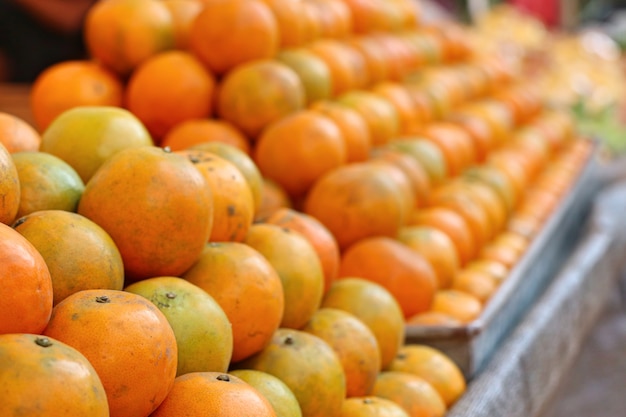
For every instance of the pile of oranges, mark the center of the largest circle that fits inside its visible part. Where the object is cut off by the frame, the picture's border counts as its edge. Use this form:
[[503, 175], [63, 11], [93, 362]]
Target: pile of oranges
[[236, 207]]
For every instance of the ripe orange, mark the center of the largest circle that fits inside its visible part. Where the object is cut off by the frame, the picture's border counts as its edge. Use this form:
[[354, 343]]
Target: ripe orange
[[26, 285], [79, 254], [213, 393], [460, 305], [41, 375], [180, 207], [355, 345], [455, 144], [203, 333], [257, 93], [347, 67], [480, 284], [257, 292], [298, 266], [308, 366], [426, 153], [298, 149], [10, 191], [183, 14], [169, 88], [70, 84], [381, 116], [371, 406], [121, 34], [414, 394], [399, 96], [103, 325], [279, 395], [407, 275], [433, 318], [273, 197], [435, 367], [373, 305], [46, 183], [295, 26], [18, 135], [194, 132], [313, 71], [226, 34]]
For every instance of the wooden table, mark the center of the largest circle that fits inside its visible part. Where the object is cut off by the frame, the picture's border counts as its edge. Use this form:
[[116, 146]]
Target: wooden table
[[14, 99]]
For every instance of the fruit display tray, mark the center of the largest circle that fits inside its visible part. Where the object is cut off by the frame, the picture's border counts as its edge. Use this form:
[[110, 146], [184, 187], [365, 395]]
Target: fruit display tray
[[472, 345]]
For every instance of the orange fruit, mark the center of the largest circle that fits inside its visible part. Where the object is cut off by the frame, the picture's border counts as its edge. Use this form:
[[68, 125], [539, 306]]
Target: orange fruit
[[381, 116], [353, 127], [79, 254], [435, 367], [348, 201], [10, 191], [373, 305], [203, 333], [407, 275], [480, 284], [169, 88], [26, 285], [335, 18], [257, 93], [375, 56], [353, 342], [495, 178], [183, 12], [460, 305], [46, 183], [273, 197], [41, 375], [347, 67], [433, 318], [497, 270], [399, 96], [294, 25], [308, 366], [70, 84], [180, 207], [222, 394], [478, 130], [436, 247], [298, 267], [233, 202], [279, 395], [86, 136], [18, 135], [257, 292], [102, 325], [318, 236], [298, 149], [195, 132], [226, 34], [121, 34], [426, 153], [371, 406], [414, 394], [455, 144], [312, 70]]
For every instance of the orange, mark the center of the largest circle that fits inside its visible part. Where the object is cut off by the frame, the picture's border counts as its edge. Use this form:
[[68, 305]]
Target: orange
[[102, 325], [86, 136], [294, 25], [298, 267], [438, 249], [203, 333], [312, 70], [353, 127], [277, 393], [347, 67], [453, 225], [480, 284], [241, 160], [18, 135], [407, 275], [495, 178], [169, 88], [402, 180], [497, 270], [460, 305], [350, 199], [226, 34], [46, 183], [373, 305], [398, 95], [414, 394], [426, 153], [455, 144], [79, 254], [374, 55], [69, 84], [121, 34], [485, 196], [366, 15], [381, 116], [193, 132], [26, 285], [233, 202], [435, 367], [41, 375], [353, 342], [336, 18], [308, 366], [10, 191], [433, 318], [257, 292], [318, 236], [478, 130], [500, 252], [257, 93], [183, 12], [213, 393], [371, 406], [298, 149], [273, 197], [180, 207]]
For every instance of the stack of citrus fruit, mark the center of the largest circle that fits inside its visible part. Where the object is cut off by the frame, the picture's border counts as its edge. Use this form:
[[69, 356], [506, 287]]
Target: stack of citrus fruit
[[250, 199]]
